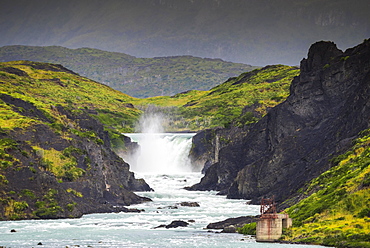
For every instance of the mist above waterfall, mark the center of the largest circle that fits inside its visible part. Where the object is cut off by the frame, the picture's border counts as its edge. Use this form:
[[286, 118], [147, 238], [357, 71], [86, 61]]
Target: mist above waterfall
[[159, 152], [152, 121]]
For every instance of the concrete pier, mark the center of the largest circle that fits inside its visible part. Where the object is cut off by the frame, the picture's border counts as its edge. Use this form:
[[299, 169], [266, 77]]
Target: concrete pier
[[270, 227]]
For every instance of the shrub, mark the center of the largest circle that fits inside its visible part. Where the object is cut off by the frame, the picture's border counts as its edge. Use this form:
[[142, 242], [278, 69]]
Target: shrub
[[248, 229], [364, 213], [71, 206], [75, 192]]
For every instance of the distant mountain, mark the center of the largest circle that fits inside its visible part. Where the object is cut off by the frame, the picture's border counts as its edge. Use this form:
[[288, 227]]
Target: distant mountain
[[258, 32], [138, 77]]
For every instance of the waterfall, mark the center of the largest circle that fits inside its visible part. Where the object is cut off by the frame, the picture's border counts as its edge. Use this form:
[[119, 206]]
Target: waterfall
[[160, 153]]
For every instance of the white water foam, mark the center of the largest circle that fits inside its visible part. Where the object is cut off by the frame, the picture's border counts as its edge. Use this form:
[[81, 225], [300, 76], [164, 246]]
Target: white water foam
[[161, 153], [138, 229]]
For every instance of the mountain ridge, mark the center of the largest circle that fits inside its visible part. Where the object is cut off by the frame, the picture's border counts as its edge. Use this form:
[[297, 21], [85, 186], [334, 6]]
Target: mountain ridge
[[137, 77]]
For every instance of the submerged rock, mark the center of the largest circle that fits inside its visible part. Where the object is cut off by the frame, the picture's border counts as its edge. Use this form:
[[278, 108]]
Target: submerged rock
[[174, 224], [189, 204], [229, 229], [177, 223], [168, 207]]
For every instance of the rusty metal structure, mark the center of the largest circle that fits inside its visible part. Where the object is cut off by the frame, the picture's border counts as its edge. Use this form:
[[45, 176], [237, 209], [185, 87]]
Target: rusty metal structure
[[270, 225], [268, 206]]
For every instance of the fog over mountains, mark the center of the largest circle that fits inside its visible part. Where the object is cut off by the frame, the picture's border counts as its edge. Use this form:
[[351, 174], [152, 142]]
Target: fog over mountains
[[256, 32]]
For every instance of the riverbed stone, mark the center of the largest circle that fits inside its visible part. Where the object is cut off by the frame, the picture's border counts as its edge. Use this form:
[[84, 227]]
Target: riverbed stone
[[174, 224], [189, 204]]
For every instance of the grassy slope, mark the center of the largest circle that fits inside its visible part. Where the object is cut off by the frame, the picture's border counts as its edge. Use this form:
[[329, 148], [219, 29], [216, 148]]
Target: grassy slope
[[31, 98], [192, 110], [336, 211], [139, 77], [222, 105], [45, 85]]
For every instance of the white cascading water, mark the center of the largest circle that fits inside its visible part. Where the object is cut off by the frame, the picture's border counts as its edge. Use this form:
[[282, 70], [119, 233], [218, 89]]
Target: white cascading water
[[159, 152]]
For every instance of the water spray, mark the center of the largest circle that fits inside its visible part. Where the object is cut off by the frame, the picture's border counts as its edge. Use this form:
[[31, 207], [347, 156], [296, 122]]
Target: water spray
[[159, 152]]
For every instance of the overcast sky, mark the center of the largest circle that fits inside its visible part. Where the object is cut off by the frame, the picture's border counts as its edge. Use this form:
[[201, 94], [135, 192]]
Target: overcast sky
[[256, 32]]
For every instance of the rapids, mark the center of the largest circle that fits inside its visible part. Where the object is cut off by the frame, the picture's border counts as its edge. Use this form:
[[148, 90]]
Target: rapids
[[163, 163], [138, 229]]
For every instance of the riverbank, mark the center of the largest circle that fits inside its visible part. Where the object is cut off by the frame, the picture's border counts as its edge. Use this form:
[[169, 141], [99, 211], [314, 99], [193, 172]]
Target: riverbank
[[137, 229]]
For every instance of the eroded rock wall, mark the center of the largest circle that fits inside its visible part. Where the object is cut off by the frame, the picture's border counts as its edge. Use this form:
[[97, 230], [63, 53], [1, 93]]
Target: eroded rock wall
[[105, 183], [327, 107]]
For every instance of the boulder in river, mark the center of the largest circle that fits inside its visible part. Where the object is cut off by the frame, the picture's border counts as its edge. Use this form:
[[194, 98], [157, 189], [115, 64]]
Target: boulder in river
[[230, 225], [174, 224], [189, 204]]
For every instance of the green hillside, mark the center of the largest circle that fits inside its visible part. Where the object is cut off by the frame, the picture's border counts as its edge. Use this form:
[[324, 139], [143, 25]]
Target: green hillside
[[336, 208], [57, 133], [48, 85], [223, 105], [45, 85], [137, 77]]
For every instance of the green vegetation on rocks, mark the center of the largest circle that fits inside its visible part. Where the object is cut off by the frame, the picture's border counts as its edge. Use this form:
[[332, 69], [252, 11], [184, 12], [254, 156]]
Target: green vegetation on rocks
[[335, 211], [55, 125], [336, 208], [248, 229], [54, 130], [238, 101], [44, 86]]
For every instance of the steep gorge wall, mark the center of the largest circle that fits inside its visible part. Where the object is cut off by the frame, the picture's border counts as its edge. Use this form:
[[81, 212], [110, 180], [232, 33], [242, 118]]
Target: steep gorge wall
[[327, 107]]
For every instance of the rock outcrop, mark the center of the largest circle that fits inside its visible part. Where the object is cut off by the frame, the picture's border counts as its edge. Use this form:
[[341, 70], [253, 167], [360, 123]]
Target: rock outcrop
[[327, 107], [231, 224], [174, 224], [100, 181]]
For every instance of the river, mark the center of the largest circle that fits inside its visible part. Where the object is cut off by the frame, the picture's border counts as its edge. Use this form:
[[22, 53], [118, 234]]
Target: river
[[167, 172]]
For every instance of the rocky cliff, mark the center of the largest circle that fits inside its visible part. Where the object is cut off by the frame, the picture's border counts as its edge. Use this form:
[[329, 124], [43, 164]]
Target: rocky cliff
[[327, 107], [56, 160]]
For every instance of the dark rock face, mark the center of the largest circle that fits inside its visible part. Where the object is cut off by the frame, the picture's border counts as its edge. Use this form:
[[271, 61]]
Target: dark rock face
[[208, 143], [327, 107], [174, 224], [234, 222], [24, 108], [189, 204], [14, 71]]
